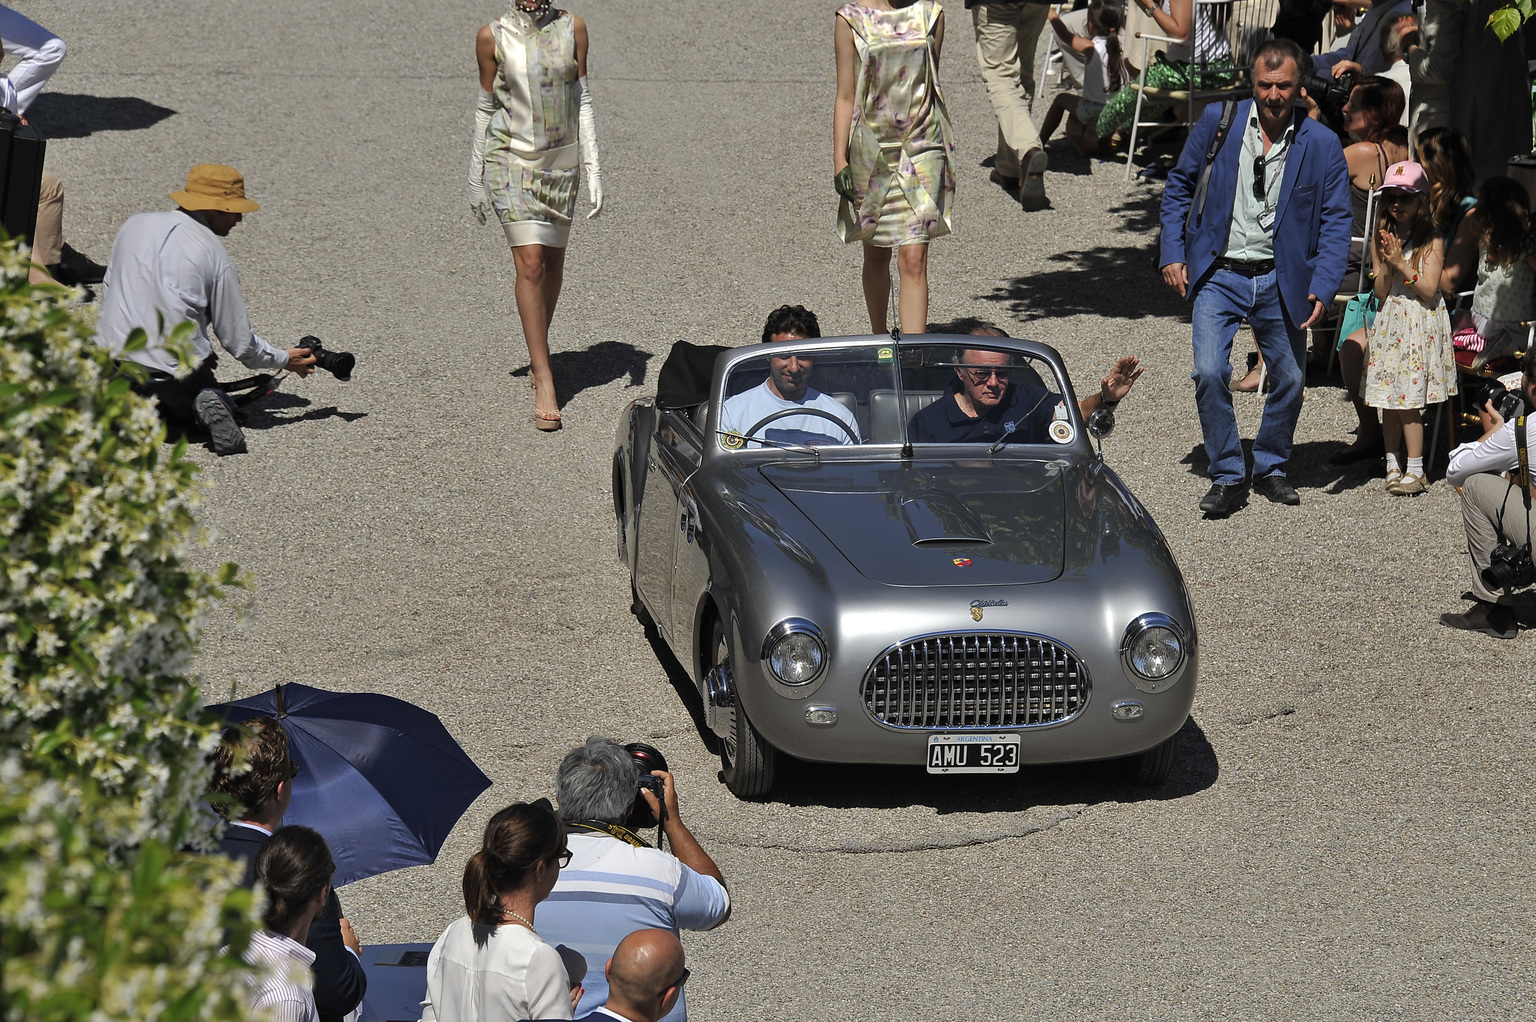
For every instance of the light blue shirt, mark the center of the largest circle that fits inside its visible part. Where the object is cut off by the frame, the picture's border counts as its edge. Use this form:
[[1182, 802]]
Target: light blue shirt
[[1252, 235]]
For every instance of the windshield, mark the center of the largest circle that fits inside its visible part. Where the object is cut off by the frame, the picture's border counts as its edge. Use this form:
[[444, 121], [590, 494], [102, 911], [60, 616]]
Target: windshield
[[816, 398], [982, 395]]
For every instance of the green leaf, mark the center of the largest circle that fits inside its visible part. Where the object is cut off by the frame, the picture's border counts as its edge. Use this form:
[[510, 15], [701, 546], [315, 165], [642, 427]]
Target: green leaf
[[228, 573], [60, 396], [1505, 22], [138, 340]]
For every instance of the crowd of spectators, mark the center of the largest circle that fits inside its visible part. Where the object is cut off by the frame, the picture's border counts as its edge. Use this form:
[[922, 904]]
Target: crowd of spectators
[[565, 912]]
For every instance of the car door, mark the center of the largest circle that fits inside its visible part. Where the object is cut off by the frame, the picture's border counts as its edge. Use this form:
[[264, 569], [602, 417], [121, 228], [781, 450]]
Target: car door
[[690, 564], [672, 459]]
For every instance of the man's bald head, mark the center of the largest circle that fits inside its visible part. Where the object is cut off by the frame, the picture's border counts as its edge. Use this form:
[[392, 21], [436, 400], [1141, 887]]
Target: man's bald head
[[646, 974]]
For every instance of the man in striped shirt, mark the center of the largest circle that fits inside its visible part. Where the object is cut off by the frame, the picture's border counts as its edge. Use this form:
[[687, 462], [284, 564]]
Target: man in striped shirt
[[616, 883]]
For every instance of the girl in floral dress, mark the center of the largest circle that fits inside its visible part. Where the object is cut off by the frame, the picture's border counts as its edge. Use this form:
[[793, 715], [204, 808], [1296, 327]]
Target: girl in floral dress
[[533, 115], [1410, 363], [892, 148]]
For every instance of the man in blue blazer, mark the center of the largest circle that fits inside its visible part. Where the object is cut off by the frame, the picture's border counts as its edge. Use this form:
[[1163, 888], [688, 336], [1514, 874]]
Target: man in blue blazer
[[1266, 242]]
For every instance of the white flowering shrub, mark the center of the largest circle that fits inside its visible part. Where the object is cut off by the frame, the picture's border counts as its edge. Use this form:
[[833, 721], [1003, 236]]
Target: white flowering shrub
[[101, 917]]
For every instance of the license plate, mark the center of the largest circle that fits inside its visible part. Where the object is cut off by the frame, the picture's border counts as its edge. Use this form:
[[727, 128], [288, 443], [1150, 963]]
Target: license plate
[[973, 754]]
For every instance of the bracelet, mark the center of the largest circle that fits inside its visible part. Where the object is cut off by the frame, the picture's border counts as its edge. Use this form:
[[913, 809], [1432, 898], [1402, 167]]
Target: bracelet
[[1412, 280], [1106, 404]]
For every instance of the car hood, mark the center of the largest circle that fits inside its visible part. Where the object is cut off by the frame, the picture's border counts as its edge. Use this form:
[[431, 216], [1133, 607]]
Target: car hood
[[936, 524]]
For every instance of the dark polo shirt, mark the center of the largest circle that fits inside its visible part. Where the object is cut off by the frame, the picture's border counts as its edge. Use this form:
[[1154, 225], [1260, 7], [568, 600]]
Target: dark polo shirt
[[1030, 408]]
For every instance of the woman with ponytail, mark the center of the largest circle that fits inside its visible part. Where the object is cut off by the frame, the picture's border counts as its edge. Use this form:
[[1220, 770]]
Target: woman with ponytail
[[489, 965], [294, 868], [1105, 74]]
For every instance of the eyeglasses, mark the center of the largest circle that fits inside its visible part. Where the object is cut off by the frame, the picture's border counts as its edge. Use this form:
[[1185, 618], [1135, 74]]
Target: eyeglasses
[[980, 376], [563, 858], [682, 980]]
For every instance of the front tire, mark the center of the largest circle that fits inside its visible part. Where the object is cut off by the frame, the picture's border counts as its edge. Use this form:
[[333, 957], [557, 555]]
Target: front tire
[[748, 762], [1151, 768]]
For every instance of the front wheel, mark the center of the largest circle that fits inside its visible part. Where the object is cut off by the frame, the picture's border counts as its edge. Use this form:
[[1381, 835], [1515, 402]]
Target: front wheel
[[749, 763], [1152, 767]]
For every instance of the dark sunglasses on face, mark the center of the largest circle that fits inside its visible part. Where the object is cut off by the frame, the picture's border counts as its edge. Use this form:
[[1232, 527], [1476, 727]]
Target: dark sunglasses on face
[[683, 979], [979, 376]]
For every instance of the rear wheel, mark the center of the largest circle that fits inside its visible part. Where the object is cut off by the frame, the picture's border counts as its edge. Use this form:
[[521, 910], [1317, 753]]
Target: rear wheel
[[1152, 767], [749, 763]]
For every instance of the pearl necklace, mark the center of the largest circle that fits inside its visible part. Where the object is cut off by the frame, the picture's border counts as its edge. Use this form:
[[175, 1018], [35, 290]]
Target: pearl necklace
[[526, 922], [537, 12]]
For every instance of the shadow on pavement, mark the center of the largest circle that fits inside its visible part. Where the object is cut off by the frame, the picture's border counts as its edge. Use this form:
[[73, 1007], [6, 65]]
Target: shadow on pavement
[[1110, 281], [601, 364], [260, 414], [72, 115]]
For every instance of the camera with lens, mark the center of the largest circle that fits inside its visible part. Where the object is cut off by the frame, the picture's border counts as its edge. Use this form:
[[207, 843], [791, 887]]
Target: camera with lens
[[338, 363], [1509, 567], [1506, 402], [1330, 94], [647, 758]]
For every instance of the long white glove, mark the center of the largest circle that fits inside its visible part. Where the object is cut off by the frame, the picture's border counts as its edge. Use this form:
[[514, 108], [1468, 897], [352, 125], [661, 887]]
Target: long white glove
[[479, 197], [587, 126]]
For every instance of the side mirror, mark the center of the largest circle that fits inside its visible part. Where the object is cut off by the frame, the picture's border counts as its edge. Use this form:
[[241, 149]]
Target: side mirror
[[1100, 424]]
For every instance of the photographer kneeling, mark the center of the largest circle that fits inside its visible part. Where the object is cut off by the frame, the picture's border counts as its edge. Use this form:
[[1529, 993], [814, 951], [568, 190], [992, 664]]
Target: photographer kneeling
[[615, 883], [1497, 509]]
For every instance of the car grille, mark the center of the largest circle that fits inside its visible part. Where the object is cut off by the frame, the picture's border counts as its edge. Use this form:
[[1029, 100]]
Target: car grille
[[975, 681]]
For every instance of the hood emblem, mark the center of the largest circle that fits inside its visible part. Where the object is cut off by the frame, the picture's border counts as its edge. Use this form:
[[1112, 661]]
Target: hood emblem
[[962, 562], [978, 607]]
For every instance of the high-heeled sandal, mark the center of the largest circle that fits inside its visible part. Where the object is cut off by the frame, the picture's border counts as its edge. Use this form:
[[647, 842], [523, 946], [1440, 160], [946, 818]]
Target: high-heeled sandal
[[546, 422], [1253, 367]]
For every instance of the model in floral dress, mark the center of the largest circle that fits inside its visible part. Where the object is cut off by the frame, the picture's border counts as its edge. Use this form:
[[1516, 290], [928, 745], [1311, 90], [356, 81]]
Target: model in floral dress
[[533, 127], [1409, 361], [893, 148]]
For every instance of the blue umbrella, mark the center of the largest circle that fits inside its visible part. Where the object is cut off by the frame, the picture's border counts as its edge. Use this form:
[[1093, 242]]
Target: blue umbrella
[[381, 780]]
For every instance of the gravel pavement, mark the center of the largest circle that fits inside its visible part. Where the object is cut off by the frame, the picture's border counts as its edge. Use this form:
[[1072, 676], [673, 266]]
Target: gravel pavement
[[1347, 833]]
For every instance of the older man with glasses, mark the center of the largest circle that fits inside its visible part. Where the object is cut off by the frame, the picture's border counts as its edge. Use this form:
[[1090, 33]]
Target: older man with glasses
[[1256, 225], [991, 399], [646, 976]]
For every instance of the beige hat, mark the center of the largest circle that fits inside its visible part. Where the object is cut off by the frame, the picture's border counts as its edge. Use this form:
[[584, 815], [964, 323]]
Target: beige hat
[[215, 186]]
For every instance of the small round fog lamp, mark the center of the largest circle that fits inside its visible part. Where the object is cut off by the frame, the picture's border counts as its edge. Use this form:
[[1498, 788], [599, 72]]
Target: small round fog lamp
[[1153, 652], [794, 652]]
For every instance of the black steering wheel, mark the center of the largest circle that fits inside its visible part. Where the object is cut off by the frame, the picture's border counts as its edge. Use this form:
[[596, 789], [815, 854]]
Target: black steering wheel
[[786, 412]]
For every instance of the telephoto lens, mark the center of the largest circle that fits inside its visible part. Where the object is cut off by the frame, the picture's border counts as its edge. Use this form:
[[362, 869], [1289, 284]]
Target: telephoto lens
[[338, 363], [647, 758]]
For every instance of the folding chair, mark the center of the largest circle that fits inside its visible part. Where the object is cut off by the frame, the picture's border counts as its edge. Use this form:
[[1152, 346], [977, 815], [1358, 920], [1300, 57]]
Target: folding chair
[[1343, 297]]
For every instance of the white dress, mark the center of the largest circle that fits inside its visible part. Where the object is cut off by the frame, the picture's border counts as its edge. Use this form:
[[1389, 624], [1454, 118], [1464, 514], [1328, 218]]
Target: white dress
[[479, 973]]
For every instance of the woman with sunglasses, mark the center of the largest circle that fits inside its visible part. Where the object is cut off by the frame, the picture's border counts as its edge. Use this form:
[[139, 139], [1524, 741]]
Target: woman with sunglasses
[[489, 965]]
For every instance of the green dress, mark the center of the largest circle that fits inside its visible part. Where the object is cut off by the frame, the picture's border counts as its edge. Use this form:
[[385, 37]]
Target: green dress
[[531, 152], [901, 147]]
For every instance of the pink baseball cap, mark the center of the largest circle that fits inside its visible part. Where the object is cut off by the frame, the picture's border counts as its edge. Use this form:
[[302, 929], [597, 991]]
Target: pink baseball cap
[[1406, 177]]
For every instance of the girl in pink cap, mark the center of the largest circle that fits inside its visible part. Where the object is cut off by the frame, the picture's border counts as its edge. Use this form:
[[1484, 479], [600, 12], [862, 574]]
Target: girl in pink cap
[[1410, 363]]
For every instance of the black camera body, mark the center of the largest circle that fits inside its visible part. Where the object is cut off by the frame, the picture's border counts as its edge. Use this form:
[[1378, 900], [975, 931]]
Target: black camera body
[[1509, 567], [1508, 403], [1330, 94], [338, 363], [647, 758]]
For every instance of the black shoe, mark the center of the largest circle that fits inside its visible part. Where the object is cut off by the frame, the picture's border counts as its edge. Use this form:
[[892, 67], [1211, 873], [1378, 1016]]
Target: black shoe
[[1221, 500], [1277, 489], [74, 268], [218, 418], [1489, 618]]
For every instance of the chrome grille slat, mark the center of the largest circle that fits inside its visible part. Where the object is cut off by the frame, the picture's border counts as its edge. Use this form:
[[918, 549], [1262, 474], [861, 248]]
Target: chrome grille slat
[[975, 681]]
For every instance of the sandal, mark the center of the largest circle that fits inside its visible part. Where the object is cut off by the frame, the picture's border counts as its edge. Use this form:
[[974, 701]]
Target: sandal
[[546, 422]]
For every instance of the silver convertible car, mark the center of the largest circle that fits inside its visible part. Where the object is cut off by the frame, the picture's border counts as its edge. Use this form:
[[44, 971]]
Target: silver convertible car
[[861, 562]]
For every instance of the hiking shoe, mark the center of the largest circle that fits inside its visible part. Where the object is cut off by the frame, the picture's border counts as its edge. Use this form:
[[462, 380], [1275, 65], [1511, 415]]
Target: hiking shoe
[[74, 268], [218, 418], [1032, 180]]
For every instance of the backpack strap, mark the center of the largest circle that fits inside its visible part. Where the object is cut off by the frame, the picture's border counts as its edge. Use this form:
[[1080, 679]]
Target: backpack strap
[[1197, 207]]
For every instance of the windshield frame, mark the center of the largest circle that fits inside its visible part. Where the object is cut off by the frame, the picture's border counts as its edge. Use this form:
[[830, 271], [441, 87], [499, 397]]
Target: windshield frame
[[751, 453]]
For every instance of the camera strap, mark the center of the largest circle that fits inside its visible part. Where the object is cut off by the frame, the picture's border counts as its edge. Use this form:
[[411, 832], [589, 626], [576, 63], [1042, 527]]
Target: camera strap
[[1523, 450], [624, 834]]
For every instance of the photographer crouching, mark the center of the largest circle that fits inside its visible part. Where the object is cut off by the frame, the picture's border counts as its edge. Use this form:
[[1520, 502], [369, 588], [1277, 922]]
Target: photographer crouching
[[170, 268], [1496, 507], [615, 883]]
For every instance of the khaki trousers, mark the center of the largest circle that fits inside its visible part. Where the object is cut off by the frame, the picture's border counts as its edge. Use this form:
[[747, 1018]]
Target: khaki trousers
[[48, 236], [1006, 38], [1482, 498]]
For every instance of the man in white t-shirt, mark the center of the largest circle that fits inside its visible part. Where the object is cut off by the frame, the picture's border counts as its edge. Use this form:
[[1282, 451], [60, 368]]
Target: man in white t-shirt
[[787, 388]]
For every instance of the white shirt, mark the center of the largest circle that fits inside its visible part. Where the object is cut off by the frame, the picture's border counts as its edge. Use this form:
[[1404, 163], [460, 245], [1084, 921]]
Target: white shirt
[[1496, 454], [505, 975], [1399, 73], [169, 267], [282, 981], [747, 409]]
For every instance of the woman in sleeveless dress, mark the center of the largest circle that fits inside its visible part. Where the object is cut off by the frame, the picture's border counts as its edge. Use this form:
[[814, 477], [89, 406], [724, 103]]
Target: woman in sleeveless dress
[[534, 114], [892, 148]]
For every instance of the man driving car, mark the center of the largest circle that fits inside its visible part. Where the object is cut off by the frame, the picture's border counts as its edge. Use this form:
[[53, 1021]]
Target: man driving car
[[992, 398], [787, 389]]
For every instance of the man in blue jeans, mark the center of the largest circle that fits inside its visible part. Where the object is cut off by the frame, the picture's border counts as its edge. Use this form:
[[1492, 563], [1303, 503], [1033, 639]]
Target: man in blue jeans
[[1264, 238]]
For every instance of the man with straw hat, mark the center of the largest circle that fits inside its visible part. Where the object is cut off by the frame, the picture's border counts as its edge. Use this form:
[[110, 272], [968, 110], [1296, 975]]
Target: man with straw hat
[[169, 268]]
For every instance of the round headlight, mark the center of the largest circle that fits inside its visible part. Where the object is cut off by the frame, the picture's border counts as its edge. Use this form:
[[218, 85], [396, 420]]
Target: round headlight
[[795, 653], [1153, 652]]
